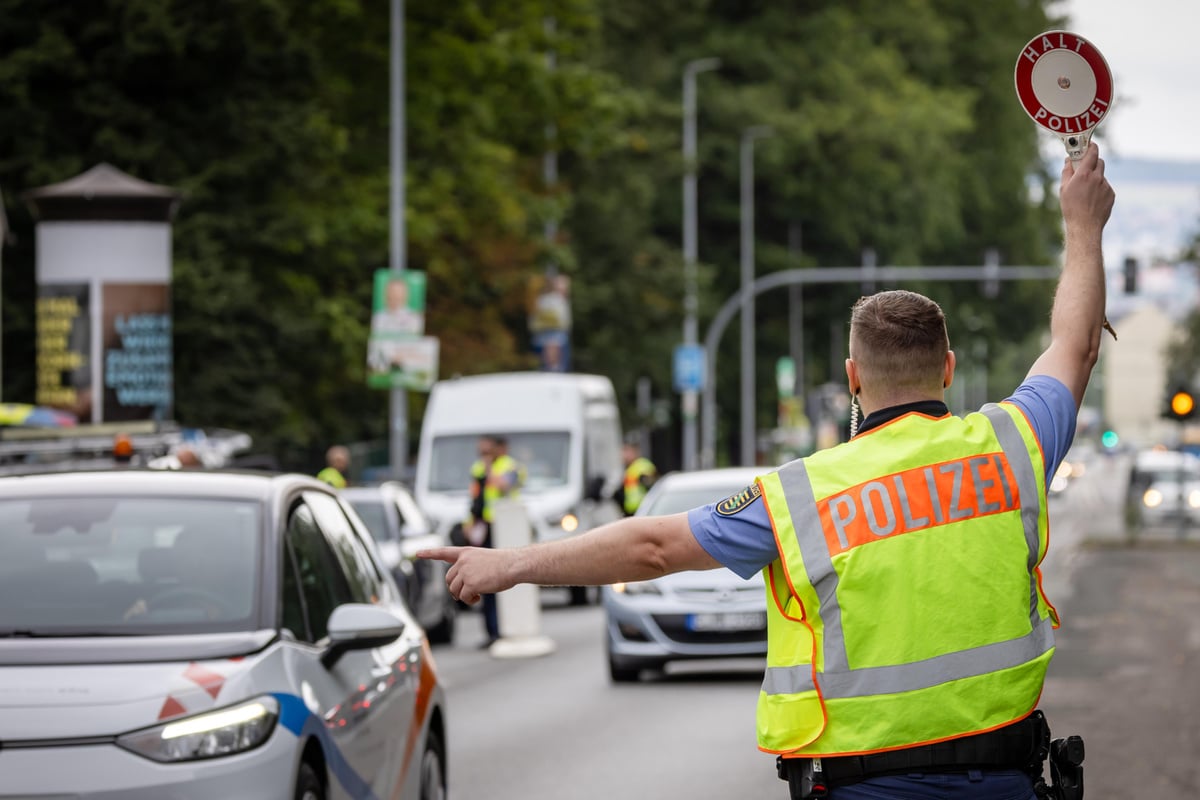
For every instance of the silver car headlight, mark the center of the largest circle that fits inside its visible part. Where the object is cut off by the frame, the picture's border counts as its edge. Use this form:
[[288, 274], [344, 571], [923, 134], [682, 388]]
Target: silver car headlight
[[210, 735], [639, 587], [568, 522]]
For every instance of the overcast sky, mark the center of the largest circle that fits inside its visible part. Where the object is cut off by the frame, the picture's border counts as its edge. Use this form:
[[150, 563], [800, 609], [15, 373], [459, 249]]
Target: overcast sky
[[1151, 48]]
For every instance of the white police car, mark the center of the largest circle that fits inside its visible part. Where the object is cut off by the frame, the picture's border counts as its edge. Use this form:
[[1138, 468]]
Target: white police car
[[206, 635]]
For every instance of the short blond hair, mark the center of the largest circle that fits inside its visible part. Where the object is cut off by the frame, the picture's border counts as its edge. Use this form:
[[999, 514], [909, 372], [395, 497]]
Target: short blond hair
[[898, 341]]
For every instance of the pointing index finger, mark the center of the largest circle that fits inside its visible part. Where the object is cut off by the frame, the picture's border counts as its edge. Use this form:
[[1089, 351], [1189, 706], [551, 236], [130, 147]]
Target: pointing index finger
[[447, 554]]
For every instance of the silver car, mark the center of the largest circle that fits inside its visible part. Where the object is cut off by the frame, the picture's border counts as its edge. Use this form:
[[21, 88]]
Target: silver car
[[688, 615], [1164, 488], [400, 528], [202, 635]]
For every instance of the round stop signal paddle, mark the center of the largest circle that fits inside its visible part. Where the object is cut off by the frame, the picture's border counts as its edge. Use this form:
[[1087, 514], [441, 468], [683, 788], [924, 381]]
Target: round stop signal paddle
[[1065, 86]]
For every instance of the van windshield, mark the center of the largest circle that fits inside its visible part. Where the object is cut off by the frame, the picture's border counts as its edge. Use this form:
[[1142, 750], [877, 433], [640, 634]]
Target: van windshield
[[545, 455]]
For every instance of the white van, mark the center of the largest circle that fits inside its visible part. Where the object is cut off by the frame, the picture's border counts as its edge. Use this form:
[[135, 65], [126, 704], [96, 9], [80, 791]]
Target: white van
[[565, 429]]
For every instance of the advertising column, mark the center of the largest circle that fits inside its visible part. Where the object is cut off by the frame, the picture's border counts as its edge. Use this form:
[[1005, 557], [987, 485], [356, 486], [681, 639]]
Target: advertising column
[[104, 296]]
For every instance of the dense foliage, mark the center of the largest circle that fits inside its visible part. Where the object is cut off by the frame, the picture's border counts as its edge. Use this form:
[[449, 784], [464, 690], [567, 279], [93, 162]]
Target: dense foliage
[[895, 128]]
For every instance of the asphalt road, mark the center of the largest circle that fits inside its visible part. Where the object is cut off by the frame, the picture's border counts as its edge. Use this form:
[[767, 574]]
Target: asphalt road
[[554, 726], [1126, 675]]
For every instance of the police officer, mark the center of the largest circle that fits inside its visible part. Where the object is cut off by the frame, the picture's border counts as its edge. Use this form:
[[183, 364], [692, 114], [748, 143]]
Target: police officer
[[909, 636], [337, 461], [494, 475], [640, 474]]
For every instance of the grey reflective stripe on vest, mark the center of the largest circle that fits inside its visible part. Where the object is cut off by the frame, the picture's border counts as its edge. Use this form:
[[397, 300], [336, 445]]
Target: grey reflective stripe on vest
[[806, 521], [918, 675], [837, 679], [1013, 445]]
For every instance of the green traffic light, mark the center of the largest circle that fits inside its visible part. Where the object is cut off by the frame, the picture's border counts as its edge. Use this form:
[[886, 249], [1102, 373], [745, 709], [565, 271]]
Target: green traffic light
[[1109, 439]]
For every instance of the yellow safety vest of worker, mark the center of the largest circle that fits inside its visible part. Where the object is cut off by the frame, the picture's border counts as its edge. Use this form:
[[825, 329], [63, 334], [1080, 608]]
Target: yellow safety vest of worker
[[333, 477], [906, 606], [492, 489], [635, 490]]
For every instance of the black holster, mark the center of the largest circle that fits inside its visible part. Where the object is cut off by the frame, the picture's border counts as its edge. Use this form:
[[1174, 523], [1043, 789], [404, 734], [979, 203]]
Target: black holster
[[1066, 764], [805, 780]]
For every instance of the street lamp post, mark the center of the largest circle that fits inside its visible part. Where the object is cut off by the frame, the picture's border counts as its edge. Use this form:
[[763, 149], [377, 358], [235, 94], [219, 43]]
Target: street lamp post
[[749, 432], [690, 398], [398, 435]]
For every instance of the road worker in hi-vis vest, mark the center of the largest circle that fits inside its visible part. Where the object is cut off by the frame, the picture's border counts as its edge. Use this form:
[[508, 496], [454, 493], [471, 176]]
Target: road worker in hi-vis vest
[[494, 475], [908, 634], [640, 474]]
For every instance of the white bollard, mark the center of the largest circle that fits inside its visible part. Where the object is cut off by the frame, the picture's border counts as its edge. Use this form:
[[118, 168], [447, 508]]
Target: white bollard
[[518, 609]]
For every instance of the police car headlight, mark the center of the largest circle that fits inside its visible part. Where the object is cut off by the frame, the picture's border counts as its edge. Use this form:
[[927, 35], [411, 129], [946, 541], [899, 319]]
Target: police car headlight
[[217, 733], [640, 587], [1152, 498], [569, 523]]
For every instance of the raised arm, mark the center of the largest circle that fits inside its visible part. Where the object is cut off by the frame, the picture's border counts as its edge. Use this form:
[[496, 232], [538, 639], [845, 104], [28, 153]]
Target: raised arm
[[633, 549], [1078, 314]]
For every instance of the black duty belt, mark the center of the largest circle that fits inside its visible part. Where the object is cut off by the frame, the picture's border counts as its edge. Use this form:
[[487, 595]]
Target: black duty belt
[[1014, 746]]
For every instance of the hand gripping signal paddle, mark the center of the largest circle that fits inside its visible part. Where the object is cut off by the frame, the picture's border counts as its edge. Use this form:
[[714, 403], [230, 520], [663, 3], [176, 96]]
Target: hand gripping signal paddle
[[1066, 87]]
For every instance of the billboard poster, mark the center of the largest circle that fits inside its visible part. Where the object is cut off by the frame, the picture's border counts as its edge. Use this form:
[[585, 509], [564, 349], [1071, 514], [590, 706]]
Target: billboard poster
[[402, 362], [64, 347], [138, 366], [399, 303]]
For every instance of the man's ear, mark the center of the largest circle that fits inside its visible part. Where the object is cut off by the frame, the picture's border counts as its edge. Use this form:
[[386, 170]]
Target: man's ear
[[948, 370], [852, 381]]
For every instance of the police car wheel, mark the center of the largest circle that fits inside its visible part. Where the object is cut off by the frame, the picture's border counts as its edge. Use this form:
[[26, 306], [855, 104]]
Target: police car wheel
[[308, 785], [433, 771]]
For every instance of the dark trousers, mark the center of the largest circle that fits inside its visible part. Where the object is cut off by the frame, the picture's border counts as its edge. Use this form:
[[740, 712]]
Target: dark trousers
[[490, 620]]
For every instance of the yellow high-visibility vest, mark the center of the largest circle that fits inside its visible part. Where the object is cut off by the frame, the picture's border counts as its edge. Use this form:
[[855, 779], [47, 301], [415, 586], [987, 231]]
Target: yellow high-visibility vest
[[635, 492], [906, 606], [491, 485]]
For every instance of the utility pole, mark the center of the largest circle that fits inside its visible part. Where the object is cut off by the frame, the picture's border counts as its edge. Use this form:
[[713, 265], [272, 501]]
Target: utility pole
[[398, 429], [690, 398], [749, 429]]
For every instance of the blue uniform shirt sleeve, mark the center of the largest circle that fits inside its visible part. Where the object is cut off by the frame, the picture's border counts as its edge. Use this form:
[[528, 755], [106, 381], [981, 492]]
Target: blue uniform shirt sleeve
[[743, 541], [1050, 408]]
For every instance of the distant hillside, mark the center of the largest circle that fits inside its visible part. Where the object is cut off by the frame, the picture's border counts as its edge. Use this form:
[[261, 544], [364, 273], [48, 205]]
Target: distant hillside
[[1145, 170], [1157, 213]]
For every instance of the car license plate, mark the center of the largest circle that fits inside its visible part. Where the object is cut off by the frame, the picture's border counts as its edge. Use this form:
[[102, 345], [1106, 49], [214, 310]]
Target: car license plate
[[730, 621]]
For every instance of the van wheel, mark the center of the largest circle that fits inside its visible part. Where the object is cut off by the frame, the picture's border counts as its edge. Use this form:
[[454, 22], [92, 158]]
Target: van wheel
[[308, 785], [581, 595]]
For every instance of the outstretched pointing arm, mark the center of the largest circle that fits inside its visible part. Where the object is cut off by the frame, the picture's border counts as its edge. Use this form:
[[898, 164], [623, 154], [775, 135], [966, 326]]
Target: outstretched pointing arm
[[633, 549]]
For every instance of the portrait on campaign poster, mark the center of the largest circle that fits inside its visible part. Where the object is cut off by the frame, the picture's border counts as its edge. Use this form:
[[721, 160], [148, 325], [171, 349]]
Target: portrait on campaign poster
[[399, 304]]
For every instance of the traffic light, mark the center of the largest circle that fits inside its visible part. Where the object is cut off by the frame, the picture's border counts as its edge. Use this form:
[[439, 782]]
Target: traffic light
[[1181, 404]]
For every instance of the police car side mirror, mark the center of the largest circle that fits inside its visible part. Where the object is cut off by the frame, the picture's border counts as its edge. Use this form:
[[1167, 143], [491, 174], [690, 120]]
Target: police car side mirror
[[359, 626]]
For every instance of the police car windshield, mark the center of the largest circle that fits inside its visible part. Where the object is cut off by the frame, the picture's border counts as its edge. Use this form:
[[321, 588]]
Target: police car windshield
[[128, 565], [545, 455]]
